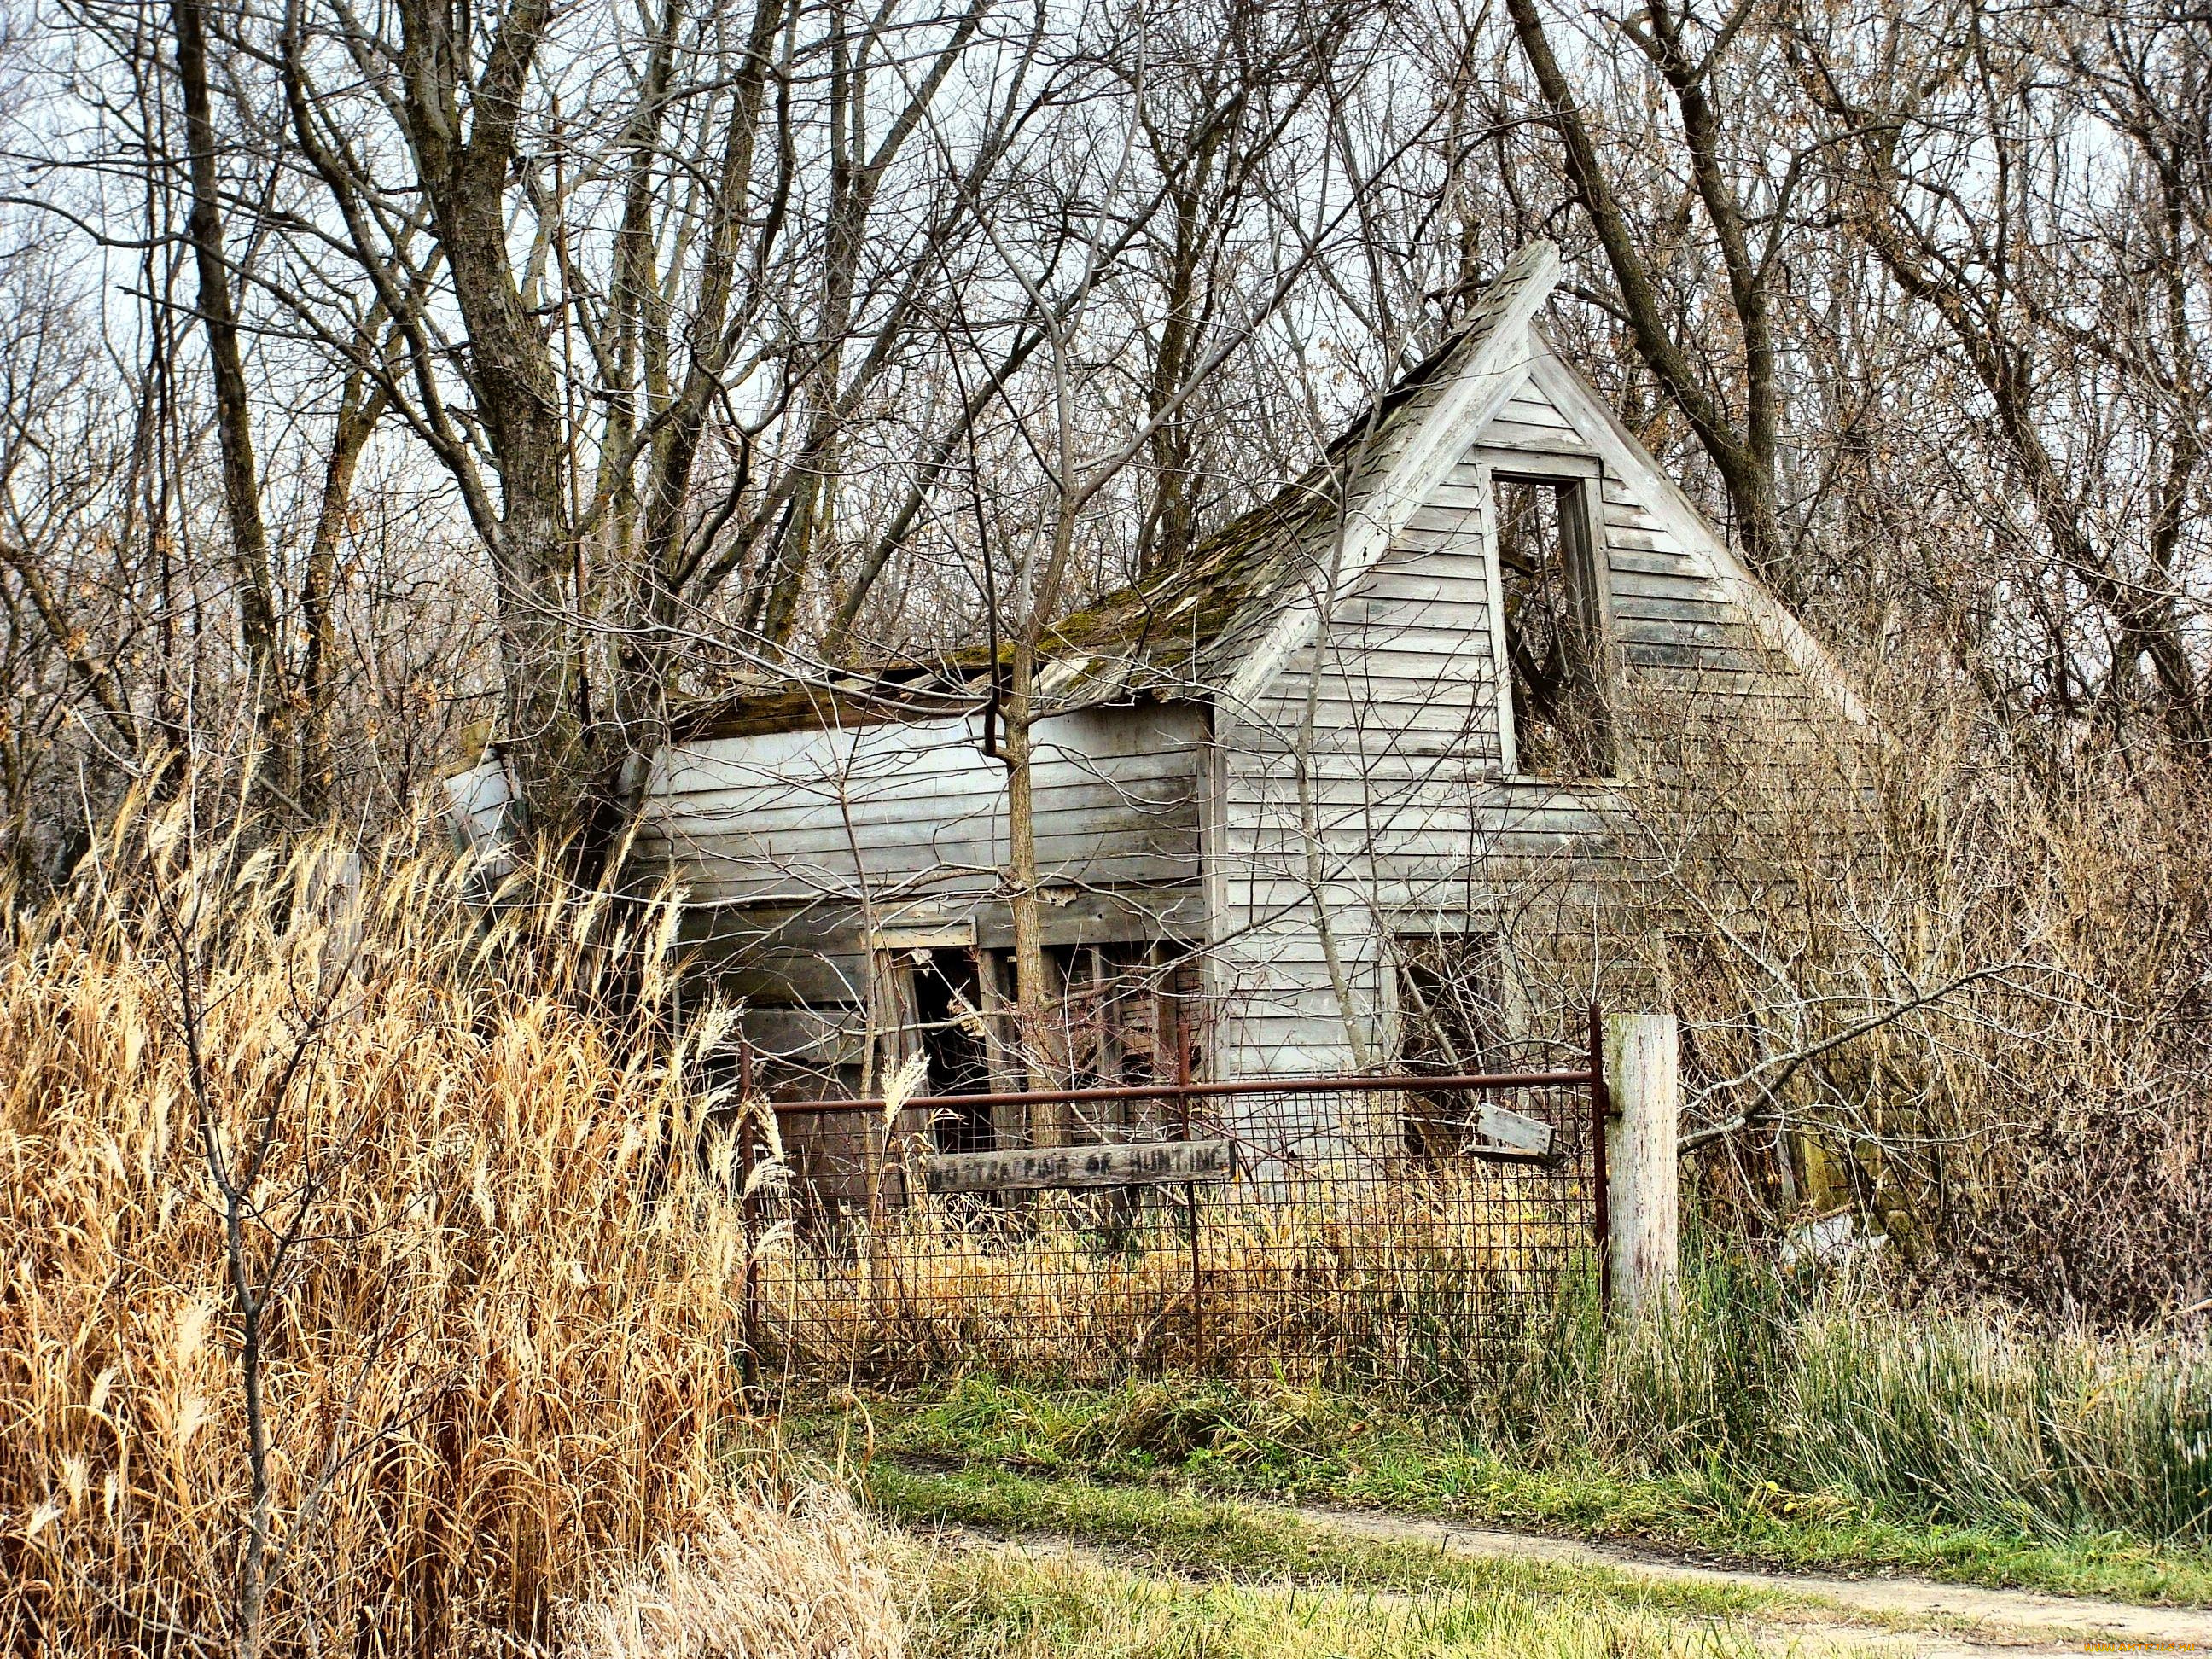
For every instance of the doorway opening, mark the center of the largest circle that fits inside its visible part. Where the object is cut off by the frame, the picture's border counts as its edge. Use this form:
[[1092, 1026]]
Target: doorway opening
[[948, 1006]]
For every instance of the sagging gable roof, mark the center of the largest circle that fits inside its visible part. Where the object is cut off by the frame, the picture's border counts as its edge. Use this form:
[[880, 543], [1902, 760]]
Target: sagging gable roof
[[1222, 622]]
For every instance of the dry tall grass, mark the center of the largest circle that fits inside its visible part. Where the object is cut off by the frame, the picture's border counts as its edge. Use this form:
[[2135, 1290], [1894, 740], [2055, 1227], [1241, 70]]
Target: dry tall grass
[[800, 1580], [501, 1349], [1367, 1273], [1961, 1000]]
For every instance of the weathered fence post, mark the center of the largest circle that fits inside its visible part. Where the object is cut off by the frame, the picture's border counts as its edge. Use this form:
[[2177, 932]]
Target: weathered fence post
[[749, 1207], [1643, 1185], [1190, 1192]]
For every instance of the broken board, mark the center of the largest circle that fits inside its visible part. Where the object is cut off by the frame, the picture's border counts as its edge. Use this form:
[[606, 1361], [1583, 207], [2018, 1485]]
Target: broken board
[[1508, 1134]]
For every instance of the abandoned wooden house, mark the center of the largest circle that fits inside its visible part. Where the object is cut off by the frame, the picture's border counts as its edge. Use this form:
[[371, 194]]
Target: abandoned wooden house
[[1291, 798]]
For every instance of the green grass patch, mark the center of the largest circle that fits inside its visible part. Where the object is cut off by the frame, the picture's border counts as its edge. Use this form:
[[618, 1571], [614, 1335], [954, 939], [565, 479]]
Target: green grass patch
[[1199, 1537], [1310, 1444], [976, 1604], [994, 1605]]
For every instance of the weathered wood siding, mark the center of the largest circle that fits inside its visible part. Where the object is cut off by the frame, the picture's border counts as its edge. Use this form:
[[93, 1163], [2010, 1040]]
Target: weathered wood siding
[[782, 841], [1407, 812]]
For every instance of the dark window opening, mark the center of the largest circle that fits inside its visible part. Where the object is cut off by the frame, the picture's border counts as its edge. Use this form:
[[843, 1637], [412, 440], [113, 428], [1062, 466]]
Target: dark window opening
[[1547, 565], [1452, 1023], [948, 1007], [1124, 1007]]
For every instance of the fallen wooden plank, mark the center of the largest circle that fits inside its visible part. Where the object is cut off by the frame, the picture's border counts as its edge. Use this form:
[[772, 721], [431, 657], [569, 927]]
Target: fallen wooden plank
[[1494, 1133], [1506, 1130], [1148, 1163]]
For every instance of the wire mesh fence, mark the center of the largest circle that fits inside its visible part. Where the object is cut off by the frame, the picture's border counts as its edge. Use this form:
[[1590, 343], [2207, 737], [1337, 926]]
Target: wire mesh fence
[[1391, 1229]]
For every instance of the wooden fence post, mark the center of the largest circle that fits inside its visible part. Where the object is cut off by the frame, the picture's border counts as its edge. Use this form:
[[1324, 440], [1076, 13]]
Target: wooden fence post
[[1642, 1183]]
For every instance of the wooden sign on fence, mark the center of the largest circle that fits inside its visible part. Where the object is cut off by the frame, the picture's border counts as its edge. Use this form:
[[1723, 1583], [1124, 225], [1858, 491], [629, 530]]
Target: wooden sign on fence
[[1148, 1163]]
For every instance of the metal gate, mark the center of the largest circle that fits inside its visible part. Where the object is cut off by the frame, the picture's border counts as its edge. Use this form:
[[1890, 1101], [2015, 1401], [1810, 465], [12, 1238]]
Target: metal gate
[[1381, 1228]]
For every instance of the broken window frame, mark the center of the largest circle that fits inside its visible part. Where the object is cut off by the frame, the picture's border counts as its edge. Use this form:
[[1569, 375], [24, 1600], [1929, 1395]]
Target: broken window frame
[[1102, 995], [1579, 481], [1123, 1006], [902, 958], [954, 976], [1438, 1126]]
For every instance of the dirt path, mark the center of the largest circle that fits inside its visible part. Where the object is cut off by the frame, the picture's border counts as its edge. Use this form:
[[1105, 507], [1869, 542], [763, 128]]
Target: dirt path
[[1923, 1617]]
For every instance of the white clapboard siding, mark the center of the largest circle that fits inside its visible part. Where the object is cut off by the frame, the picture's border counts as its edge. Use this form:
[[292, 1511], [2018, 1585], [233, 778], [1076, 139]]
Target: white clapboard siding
[[898, 808], [1531, 421], [1405, 791]]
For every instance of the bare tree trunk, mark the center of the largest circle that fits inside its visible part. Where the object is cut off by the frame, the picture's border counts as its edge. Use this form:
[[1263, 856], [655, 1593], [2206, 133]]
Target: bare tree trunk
[[360, 405], [1166, 538], [1037, 1017], [241, 486], [515, 378], [658, 586], [1746, 456]]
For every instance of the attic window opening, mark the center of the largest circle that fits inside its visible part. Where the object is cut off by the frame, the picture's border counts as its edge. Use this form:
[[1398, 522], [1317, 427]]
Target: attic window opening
[[1554, 646]]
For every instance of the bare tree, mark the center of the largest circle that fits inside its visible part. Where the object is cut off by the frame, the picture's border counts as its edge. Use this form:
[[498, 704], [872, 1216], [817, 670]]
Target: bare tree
[[1733, 400], [726, 280], [1953, 171]]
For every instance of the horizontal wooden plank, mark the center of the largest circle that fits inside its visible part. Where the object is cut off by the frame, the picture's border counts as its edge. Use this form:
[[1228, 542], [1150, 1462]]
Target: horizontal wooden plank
[[1548, 440], [734, 848], [1390, 673], [1385, 707], [1636, 613], [1622, 513], [1460, 496], [1678, 585], [1461, 565], [1392, 670], [813, 798], [1256, 827], [1169, 913], [1445, 523], [817, 952], [1627, 522], [1500, 1127], [1346, 796], [956, 863], [1150, 1163], [1634, 556], [1459, 589], [791, 825], [770, 885]]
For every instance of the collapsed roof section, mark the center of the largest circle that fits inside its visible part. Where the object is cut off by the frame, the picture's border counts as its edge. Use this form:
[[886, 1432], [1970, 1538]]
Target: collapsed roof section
[[1222, 618]]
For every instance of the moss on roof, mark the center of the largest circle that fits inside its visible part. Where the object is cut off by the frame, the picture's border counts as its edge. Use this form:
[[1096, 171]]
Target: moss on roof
[[1172, 633]]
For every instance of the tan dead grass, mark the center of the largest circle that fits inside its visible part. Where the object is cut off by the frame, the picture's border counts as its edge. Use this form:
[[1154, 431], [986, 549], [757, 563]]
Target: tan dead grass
[[801, 1578], [504, 1364]]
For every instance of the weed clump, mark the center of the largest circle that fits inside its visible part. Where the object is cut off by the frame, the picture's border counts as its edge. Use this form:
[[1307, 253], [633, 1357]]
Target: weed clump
[[499, 1357]]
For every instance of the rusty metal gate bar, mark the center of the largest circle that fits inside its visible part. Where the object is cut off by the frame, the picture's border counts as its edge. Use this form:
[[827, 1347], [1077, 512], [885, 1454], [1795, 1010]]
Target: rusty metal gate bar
[[1333, 1225]]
